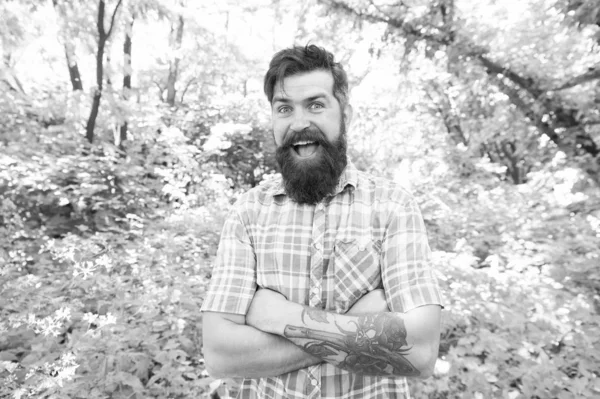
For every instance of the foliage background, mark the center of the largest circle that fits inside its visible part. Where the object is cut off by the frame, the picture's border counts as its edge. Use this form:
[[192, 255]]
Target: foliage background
[[486, 111]]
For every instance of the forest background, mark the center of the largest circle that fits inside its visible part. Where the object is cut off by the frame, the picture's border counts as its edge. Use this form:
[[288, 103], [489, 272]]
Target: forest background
[[128, 128]]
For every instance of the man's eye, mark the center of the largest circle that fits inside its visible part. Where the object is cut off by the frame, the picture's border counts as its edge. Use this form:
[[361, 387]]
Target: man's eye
[[316, 106], [284, 109]]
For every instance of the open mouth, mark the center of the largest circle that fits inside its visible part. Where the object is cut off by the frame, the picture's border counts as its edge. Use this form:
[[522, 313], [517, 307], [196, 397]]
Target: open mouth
[[306, 148]]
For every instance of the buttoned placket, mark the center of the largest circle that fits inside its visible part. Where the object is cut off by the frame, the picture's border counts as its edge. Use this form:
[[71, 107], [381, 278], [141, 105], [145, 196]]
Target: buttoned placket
[[316, 259], [313, 387]]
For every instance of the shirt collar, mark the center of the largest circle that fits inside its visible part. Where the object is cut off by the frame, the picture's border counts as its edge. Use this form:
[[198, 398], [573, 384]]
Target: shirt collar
[[348, 177]]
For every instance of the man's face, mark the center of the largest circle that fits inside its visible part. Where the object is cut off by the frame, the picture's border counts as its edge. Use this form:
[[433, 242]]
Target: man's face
[[309, 131]]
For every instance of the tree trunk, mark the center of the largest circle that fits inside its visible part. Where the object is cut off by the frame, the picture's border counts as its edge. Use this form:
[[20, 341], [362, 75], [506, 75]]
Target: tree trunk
[[72, 66], [91, 122], [74, 74], [127, 45], [10, 78], [103, 36], [447, 114], [508, 154], [176, 38]]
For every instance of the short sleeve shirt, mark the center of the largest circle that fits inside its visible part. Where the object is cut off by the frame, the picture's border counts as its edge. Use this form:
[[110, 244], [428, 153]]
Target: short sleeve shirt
[[369, 234]]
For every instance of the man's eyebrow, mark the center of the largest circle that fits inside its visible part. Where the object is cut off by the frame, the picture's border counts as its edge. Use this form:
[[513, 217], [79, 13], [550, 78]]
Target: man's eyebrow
[[309, 99], [281, 99], [317, 97]]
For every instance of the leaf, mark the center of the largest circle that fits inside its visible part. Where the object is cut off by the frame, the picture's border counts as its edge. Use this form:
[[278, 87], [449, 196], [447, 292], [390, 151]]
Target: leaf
[[142, 366], [319, 350], [8, 356], [130, 380], [315, 315], [171, 344], [9, 366]]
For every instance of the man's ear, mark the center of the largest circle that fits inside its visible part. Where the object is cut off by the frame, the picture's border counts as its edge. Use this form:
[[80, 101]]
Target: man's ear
[[348, 113]]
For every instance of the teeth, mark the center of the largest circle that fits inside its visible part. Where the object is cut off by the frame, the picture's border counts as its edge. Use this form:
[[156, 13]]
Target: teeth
[[304, 142]]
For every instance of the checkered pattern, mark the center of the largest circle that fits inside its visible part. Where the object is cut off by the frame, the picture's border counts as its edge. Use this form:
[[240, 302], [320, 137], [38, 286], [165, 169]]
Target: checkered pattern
[[369, 234]]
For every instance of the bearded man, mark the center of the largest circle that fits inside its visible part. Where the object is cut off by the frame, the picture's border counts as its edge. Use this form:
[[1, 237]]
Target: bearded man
[[322, 285]]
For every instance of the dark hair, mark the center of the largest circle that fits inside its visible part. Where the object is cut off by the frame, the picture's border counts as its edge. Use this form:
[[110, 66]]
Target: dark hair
[[296, 60]]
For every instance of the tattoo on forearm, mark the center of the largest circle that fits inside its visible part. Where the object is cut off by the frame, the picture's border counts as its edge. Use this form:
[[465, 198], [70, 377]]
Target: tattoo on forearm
[[377, 347], [314, 314]]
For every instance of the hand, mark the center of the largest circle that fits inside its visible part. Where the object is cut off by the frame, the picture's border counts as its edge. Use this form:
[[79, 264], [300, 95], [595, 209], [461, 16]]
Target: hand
[[267, 311], [372, 302]]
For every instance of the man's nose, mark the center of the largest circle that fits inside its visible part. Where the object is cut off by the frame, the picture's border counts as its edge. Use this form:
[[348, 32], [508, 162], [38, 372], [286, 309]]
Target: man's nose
[[300, 121]]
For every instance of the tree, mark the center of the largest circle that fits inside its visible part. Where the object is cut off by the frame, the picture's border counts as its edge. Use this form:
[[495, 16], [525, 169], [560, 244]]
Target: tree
[[12, 35], [133, 10], [175, 39], [103, 36], [74, 74], [127, 71], [539, 95]]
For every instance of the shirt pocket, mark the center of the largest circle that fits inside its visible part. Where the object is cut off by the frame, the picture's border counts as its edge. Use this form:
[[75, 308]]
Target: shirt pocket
[[357, 269]]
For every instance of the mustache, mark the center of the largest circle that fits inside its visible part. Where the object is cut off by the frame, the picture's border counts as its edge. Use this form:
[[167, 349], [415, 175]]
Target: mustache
[[310, 133]]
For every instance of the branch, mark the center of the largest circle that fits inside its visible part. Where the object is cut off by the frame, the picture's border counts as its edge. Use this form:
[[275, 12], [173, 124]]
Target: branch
[[591, 74], [525, 83], [590, 123], [407, 27], [527, 110], [159, 86], [445, 115], [510, 151], [160, 89], [375, 6], [112, 19], [187, 86]]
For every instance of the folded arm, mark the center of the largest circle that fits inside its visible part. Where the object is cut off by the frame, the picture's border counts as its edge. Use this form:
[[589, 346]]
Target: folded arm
[[234, 349], [382, 343]]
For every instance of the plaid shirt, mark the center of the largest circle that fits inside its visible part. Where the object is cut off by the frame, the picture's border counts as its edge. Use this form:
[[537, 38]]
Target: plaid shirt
[[369, 234]]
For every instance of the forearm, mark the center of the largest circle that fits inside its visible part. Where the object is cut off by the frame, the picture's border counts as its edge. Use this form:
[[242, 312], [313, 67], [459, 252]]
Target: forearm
[[375, 344], [237, 350]]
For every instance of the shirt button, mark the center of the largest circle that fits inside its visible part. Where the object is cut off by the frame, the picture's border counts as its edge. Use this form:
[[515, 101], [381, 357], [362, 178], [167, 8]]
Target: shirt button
[[314, 382], [362, 246], [317, 246]]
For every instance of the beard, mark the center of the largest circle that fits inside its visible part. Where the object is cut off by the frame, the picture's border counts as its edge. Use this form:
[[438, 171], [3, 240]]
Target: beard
[[308, 181]]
